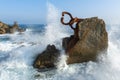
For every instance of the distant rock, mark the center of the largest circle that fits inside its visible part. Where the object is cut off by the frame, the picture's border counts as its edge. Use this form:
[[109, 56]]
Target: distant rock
[[92, 39], [47, 58], [5, 28]]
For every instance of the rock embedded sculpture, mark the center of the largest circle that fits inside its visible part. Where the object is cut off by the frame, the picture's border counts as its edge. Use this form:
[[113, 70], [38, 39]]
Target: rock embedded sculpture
[[71, 22], [91, 40], [88, 41]]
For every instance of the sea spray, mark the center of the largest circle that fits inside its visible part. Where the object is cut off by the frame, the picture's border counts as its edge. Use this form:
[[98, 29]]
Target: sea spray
[[61, 64], [54, 31], [114, 47], [20, 52], [22, 49]]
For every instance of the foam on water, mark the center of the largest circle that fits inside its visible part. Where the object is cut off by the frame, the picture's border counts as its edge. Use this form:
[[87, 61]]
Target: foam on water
[[19, 51]]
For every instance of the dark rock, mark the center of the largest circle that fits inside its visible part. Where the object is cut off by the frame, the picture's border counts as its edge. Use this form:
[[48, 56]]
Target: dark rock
[[65, 42], [92, 40], [47, 58]]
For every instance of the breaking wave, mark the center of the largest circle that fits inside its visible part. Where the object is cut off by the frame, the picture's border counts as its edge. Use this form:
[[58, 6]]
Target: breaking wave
[[17, 52]]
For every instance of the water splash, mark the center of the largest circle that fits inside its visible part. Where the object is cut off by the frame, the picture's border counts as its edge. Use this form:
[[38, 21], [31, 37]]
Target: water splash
[[62, 65], [17, 54], [54, 31]]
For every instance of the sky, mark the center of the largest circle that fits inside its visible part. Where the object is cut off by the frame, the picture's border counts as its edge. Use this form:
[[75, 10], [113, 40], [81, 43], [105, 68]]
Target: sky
[[35, 11]]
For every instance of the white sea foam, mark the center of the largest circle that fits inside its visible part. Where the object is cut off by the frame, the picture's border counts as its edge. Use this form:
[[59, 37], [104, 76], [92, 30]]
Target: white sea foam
[[61, 64]]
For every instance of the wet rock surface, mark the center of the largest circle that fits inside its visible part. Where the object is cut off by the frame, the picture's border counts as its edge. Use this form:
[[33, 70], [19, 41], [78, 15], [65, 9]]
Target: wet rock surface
[[47, 58]]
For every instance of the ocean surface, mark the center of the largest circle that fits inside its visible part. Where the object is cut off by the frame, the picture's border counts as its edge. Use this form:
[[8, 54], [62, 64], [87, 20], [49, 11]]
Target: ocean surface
[[18, 51]]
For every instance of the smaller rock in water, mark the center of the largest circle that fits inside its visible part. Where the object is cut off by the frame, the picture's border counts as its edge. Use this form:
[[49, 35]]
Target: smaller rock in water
[[47, 58]]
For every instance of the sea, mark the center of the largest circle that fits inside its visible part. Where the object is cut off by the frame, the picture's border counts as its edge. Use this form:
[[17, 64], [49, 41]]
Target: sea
[[19, 50]]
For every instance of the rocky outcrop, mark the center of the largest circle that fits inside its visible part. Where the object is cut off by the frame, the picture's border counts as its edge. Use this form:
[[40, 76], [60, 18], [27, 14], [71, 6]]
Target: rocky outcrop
[[92, 39], [47, 58], [5, 28]]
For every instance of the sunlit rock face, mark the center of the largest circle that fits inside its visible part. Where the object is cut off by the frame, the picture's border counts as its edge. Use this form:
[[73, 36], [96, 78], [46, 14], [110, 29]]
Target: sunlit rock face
[[92, 39], [5, 28]]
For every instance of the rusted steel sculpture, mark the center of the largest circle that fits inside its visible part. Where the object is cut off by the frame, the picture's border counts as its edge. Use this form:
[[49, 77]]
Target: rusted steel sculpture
[[73, 39], [71, 22]]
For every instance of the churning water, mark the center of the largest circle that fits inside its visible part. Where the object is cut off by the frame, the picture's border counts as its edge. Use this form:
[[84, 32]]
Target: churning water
[[18, 51]]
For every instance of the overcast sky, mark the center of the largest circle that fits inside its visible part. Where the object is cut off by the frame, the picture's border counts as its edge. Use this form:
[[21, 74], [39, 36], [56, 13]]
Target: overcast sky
[[35, 11]]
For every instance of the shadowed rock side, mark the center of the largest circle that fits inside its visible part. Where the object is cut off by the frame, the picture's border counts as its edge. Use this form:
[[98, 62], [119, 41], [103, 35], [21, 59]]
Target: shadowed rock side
[[92, 40], [47, 58], [4, 28]]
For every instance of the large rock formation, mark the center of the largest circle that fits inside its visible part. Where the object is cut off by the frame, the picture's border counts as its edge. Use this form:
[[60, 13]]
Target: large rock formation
[[92, 39], [47, 58], [5, 28]]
